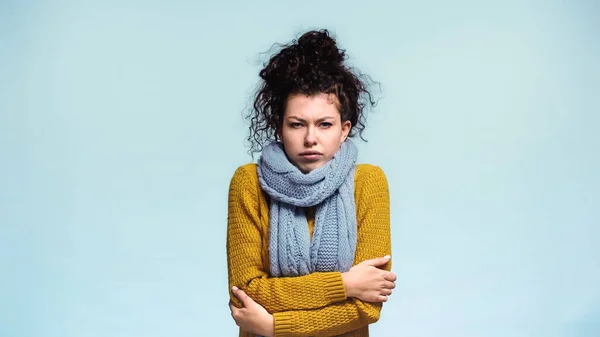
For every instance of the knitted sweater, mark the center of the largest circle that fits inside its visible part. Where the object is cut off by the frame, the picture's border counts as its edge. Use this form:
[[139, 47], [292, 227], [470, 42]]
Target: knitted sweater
[[314, 304]]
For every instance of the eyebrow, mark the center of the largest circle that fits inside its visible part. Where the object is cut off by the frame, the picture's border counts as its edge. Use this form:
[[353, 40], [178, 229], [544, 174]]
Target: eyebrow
[[318, 120]]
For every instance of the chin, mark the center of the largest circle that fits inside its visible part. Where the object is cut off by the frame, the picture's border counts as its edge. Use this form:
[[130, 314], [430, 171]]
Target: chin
[[306, 168]]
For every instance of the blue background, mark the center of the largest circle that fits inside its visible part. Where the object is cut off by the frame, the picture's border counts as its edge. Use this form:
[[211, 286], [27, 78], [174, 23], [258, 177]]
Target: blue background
[[121, 125]]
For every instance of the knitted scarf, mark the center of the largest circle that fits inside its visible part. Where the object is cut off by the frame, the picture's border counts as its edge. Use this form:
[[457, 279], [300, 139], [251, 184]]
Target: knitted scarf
[[331, 189]]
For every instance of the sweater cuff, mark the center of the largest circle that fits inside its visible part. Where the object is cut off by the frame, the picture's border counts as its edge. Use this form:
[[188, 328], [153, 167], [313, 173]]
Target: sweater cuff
[[334, 287], [283, 324]]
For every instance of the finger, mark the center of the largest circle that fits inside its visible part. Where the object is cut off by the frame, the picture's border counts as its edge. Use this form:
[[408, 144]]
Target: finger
[[386, 292], [380, 261], [239, 293], [234, 311], [236, 317], [389, 276], [383, 298], [389, 285]]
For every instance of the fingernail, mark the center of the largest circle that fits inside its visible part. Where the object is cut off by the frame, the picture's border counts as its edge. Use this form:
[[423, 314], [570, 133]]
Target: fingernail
[[387, 257], [234, 288]]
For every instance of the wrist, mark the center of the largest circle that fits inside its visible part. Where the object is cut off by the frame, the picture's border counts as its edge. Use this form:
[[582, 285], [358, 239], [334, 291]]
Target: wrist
[[346, 279], [269, 328]]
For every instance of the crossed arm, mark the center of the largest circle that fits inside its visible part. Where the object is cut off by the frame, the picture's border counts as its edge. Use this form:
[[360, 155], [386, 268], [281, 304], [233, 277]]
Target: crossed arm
[[320, 304]]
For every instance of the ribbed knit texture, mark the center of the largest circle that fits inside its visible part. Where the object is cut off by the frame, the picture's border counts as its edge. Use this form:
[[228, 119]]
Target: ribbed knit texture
[[331, 189], [313, 304]]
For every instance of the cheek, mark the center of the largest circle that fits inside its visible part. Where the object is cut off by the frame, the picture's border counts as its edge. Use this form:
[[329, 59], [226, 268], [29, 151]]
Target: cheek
[[333, 144], [336, 137], [291, 139], [284, 134]]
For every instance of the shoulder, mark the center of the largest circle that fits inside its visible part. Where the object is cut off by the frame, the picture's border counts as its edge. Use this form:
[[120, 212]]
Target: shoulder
[[369, 173], [370, 179], [245, 170], [245, 175]]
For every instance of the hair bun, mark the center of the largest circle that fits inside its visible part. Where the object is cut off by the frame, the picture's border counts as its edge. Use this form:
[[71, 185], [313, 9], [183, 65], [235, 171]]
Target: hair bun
[[320, 48]]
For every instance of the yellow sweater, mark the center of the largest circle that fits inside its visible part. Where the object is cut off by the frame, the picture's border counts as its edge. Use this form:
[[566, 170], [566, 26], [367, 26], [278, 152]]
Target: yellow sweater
[[314, 304]]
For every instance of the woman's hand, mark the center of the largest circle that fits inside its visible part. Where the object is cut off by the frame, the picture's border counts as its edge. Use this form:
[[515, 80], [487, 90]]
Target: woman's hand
[[368, 283], [252, 317]]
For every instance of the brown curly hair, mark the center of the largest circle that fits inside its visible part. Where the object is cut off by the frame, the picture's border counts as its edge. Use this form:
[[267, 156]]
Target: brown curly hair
[[311, 65]]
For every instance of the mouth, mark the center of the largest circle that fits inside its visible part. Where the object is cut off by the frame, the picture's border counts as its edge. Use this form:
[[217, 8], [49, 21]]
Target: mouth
[[308, 153], [311, 155]]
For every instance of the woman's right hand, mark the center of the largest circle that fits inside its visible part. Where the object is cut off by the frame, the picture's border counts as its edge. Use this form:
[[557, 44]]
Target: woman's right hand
[[367, 282]]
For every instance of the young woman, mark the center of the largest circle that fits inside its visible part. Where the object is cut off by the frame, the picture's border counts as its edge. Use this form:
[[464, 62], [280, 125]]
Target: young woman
[[308, 237]]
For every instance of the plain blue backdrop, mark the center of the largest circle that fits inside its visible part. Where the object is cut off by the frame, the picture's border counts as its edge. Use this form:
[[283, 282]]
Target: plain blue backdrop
[[121, 126]]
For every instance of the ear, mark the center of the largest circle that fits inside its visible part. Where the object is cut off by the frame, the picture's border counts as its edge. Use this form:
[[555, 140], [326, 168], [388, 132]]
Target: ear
[[346, 126]]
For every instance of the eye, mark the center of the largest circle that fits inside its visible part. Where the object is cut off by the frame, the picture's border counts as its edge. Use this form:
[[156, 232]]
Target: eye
[[296, 125], [326, 125]]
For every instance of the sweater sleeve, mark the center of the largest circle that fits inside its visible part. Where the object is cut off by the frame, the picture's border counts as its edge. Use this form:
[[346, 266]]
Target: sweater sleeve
[[246, 266], [373, 217]]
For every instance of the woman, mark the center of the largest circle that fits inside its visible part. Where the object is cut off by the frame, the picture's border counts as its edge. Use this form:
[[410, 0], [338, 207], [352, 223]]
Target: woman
[[308, 239]]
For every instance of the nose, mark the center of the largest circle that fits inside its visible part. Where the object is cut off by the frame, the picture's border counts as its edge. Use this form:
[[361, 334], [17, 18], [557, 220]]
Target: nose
[[310, 139]]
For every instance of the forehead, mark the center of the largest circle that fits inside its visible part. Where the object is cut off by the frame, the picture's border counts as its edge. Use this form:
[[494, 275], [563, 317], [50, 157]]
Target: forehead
[[320, 105]]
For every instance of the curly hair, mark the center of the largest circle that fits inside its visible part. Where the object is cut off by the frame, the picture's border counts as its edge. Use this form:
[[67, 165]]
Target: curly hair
[[311, 65]]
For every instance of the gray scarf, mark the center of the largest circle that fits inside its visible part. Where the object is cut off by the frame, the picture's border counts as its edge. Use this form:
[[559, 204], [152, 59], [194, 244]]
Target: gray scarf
[[331, 189]]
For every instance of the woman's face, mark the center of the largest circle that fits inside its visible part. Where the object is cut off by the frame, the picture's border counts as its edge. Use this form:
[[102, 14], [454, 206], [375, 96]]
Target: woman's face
[[312, 130]]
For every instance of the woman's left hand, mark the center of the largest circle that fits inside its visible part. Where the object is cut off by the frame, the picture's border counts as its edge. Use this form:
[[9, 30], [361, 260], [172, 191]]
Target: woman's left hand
[[252, 317]]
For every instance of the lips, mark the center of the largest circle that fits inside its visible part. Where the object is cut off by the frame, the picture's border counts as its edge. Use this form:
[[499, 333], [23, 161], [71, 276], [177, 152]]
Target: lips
[[311, 155], [308, 153]]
